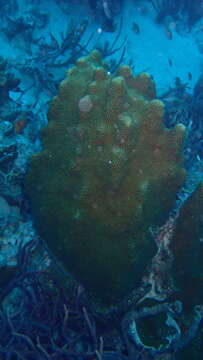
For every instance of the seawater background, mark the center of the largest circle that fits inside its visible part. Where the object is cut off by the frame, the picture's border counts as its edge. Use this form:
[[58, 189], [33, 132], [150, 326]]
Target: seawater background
[[150, 50]]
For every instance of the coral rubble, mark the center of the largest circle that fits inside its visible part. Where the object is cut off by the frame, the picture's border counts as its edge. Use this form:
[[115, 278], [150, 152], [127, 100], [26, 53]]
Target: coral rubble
[[109, 170]]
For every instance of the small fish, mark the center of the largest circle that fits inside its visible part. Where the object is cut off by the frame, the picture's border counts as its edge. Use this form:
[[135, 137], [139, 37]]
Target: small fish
[[170, 62], [54, 41], [92, 4], [135, 28], [168, 33], [189, 76], [172, 26], [107, 10]]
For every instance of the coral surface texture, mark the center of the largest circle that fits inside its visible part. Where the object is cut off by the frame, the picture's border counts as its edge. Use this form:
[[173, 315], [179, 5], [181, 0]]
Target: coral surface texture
[[109, 172]]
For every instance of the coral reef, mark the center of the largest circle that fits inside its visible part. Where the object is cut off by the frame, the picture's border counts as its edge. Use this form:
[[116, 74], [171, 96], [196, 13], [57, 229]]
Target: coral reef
[[172, 340], [17, 137], [45, 313], [7, 80], [187, 240], [105, 176]]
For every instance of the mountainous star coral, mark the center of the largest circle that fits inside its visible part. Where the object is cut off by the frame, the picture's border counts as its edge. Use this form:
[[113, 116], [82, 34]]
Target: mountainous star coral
[[109, 170]]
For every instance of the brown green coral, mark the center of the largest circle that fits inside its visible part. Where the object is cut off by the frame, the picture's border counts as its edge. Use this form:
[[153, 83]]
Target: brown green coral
[[109, 170]]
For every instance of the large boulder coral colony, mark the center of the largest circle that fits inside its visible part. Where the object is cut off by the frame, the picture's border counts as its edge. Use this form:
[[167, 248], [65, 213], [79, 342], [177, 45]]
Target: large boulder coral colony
[[109, 170]]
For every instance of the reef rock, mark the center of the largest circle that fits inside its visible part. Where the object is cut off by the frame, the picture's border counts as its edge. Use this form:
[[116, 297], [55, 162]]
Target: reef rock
[[187, 249]]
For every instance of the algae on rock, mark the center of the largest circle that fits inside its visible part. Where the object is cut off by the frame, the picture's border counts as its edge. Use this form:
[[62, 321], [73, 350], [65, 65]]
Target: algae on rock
[[109, 170]]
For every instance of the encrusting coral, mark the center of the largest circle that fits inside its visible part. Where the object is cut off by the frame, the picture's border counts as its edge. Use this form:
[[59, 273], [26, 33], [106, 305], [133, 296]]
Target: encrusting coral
[[109, 170], [186, 246]]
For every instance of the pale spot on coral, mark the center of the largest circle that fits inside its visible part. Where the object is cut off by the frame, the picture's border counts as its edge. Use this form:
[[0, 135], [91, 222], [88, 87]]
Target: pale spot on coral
[[102, 128], [125, 119], [126, 105], [116, 150], [144, 186], [99, 148], [85, 103], [95, 206], [77, 214]]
